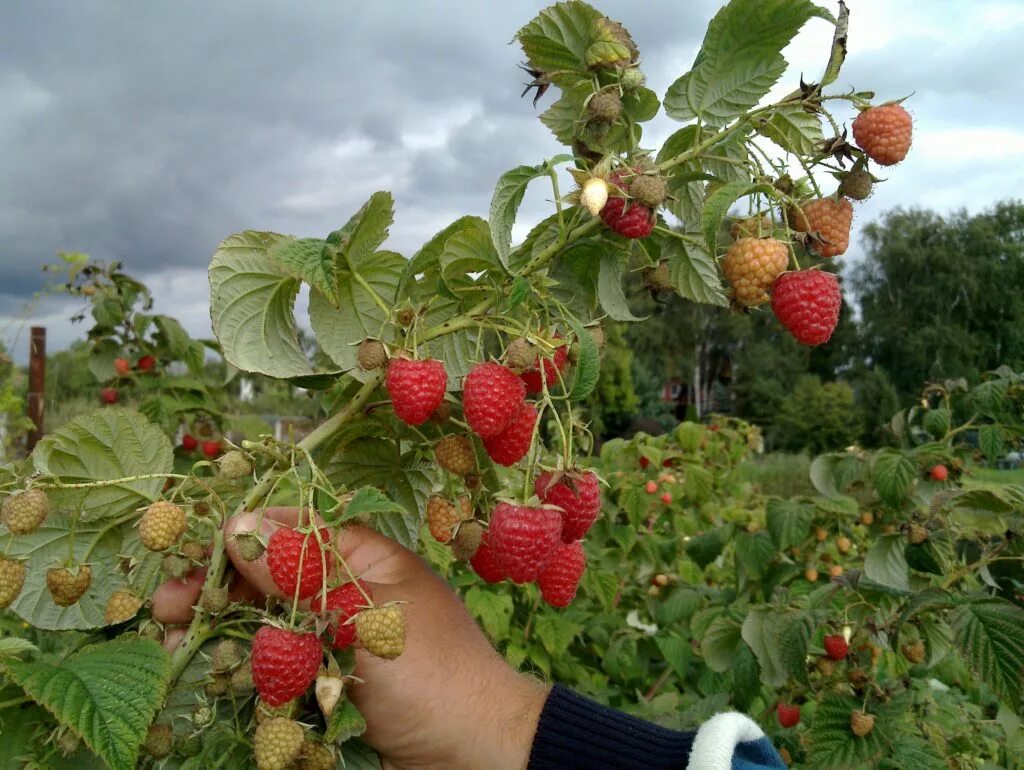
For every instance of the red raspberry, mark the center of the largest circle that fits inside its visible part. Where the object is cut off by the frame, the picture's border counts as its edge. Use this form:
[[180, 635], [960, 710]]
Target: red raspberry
[[884, 133], [416, 388], [485, 563], [551, 367], [644, 462], [492, 396], [561, 575], [284, 663], [189, 442], [939, 473], [752, 265], [788, 714], [211, 449], [579, 497], [511, 445], [109, 395], [829, 219], [523, 538], [836, 647], [122, 366], [146, 363], [286, 549], [628, 219], [346, 600], [807, 302]]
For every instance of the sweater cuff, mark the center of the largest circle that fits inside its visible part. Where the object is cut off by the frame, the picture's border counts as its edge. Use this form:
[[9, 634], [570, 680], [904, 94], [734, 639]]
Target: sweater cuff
[[574, 732]]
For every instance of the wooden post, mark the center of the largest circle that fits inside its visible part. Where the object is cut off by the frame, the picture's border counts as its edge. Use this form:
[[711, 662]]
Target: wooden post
[[36, 384]]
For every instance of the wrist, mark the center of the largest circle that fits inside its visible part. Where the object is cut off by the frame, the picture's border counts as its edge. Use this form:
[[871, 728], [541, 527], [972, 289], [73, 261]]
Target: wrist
[[507, 724]]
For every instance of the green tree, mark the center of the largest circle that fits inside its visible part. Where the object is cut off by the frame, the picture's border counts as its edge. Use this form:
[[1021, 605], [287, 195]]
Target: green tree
[[817, 417]]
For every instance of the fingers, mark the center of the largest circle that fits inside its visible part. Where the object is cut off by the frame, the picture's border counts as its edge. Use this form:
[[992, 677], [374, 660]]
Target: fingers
[[174, 599], [173, 638]]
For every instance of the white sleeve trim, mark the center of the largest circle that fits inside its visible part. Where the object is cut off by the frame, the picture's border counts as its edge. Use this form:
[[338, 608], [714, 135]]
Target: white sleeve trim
[[716, 740]]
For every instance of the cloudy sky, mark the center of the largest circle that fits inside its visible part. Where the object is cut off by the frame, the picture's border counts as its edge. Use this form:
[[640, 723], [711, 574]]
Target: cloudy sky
[[146, 132]]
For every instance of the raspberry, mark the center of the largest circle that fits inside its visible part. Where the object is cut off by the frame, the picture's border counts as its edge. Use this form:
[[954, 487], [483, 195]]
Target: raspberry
[[109, 395], [443, 515], [593, 195], [861, 724], [12, 580], [346, 600], [843, 544], [226, 655], [214, 599], [235, 465], [754, 227], [381, 631], [249, 546], [511, 446], [416, 388], [836, 647], [284, 663], [316, 756], [371, 355], [121, 606], [561, 574], [857, 184], [648, 190], [577, 494], [194, 551], [146, 363], [211, 449], [788, 714], [175, 566], [551, 366], [523, 538], [485, 563], [807, 303], [939, 473], [66, 587], [604, 107], [159, 741], [632, 79], [456, 454], [916, 533], [189, 443], [914, 652], [162, 525], [122, 367], [628, 219], [828, 220], [492, 396], [884, 133], [217, 686], [467, 540], [328, 690], [752, 265], [520, 354], [277, 743], [295, 561], [241, 682], [23, 512]]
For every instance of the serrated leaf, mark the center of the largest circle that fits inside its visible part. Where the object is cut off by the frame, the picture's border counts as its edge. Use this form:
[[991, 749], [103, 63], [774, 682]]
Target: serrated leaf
[[101, 360], [562, 116], [788, 521], [360, 756], [107, 693], [716, 206], [1002, 499], [366, 501], [936, 422], [886, 563], [470, 251], [720, 643], [602, 584], [822, 474], [588, 363], [832, 743], [893, 473], [794, 639], [252, 306], [107, 444], [609, 287], [794, 129], [698, 482], [840, 505], [693, 273], [707, 547], [754, 553], [739, 60], [12, 647], [555, 632], [345, 722], [492, 609], [680, 604], [558, 37], [991, 442], [508, 194], [422, 271], [676, 651], [990, 636], [309, 261], [761, 631]]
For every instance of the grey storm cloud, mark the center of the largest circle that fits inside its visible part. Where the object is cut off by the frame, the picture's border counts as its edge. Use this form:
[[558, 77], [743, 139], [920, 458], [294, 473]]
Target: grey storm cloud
[[146, 132]]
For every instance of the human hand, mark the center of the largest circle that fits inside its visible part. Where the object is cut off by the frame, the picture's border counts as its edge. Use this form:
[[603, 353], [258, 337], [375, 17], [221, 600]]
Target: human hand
[[448, 701]]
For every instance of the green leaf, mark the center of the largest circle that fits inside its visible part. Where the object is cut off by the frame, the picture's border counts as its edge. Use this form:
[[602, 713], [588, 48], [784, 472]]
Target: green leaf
[[840, 505], [794, 129], [936, 422], [990, 439], [761, 631], [789, 522], [717, 206], [693, 272], [588, 363], [562, 116], [990, 636], [1002, 499], [12, 647], [508, 194], [345, 722], [720, 643], [604, 585], [822, 474], [886, 563], [368, 500], [707, 547], [558, 38], [101, 360], [698, 483], [555, 632], [680, 604], [754, 553], [492, 609], [609, 287], [832, 743], [309, 261], [107, 444], [740, 59], [359, 756], [684, 185], [107, 693], [470, 251], [676, 652], [252, 306], [893, 474], [420, 274], [794, 639]]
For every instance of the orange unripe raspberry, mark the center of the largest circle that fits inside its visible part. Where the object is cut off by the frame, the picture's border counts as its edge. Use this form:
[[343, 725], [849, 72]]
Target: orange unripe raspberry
[[381, 631], [66, 587], [884, 133], [752, 265], [829, 220], [12, 580], [162, 525], [456, 454], [121, 606], [23, 512]]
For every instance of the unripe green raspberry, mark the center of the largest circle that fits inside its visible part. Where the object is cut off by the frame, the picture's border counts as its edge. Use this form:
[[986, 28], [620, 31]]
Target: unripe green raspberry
[[249, 546], [175, 566], [23, 512], [235, 465], [122, 605], [158, 741], [658, 277], [604, 107], [371, 355], [277, 743], [226, 655], [649, 190], [632, 79], [214, 599], [162, 525], [520, 354], [12, 580]]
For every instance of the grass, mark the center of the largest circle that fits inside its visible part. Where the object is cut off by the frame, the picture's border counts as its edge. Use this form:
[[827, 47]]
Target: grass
[[778, 473]]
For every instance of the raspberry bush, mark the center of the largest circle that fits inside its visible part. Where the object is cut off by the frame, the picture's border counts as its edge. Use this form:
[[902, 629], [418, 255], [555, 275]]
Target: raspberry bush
[[452, 382]]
